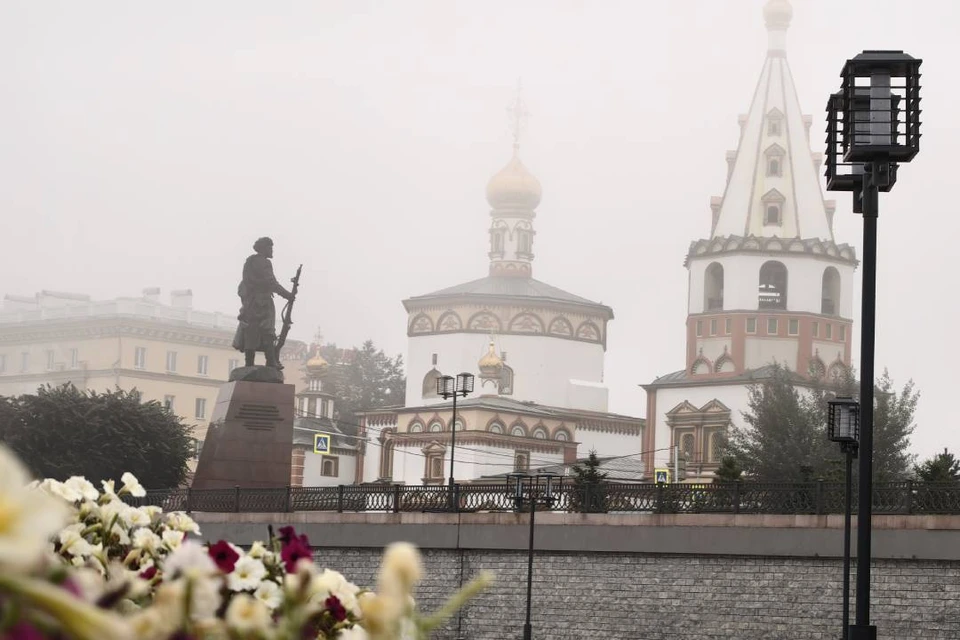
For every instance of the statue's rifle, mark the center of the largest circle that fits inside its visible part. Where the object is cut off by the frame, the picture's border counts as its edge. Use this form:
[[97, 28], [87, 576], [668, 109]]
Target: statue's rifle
[[286, 315]]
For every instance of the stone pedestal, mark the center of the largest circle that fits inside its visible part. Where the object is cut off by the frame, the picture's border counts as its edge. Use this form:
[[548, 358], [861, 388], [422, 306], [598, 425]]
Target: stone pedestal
[[250, 439]]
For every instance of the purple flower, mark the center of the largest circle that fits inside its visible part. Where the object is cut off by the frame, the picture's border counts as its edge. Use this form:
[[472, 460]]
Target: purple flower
[[149, 572], [337, 610], [224, 556], [296, 550], [287, 534]]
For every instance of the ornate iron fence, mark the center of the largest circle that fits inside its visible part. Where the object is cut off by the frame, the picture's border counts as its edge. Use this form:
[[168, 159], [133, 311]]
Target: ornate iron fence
[[815, 498]]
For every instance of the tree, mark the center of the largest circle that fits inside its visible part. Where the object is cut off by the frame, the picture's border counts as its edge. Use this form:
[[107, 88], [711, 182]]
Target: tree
[[588, 482], [61, 431], [729, 470], [363, 379], [784, 439], [943, 467]]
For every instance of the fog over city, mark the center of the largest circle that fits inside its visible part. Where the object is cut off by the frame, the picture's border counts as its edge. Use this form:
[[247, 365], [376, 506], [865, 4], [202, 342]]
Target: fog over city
[[149, 145]]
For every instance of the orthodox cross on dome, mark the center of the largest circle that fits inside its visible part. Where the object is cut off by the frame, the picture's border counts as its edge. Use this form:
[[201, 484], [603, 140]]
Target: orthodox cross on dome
[[518, 115]]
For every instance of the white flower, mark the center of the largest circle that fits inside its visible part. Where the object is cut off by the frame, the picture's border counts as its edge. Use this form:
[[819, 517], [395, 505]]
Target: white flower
[[257, 550], [72, 542], [108, 489], [246, 574], [28, 518], [206, 598], [138, 518], [147, 540], [172, 539], [116, 509], [60, 490], [182, 522], [246, 614], [132, 486], [82, 486], [355, 632], [268, 592], [190, 559], [401, 569], [152, 511]]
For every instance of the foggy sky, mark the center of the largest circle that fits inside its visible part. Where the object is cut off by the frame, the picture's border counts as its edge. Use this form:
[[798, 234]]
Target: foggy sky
[[149, 144]]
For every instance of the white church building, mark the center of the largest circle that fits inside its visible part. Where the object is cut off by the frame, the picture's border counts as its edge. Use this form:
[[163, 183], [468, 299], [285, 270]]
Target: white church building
[[769, 283], [537, 353]]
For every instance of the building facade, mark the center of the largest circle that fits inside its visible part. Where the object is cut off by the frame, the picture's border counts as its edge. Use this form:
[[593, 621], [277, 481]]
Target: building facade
[[770, 284], [171, 353], [537, 352]]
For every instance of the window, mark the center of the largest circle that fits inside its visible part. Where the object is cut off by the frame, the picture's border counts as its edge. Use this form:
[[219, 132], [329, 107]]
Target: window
[[562, 436], [713, 287], [699, 328], [843, 333], [751, 325], [773, 167], [314, 385], [436, 427], [771, 326], [687, 445], [140, 358], [830, 292], [772, 290], [430, 384], [829, 331], [201, 409], [458, 425], [773, 127], [330, 468], [324, 408], [495, 427], [202, 362], [168, 403], [25, 361], [713, 326], [816, 329], [197, 448], [171, 360], [728, 328], [312, 407], [519, 431], [434, 466], [416, 427], [793, 326], [496, 241], [524, 241], [540, 433], [3, 362], [50, 359], [716, 447], [521, 461], [772, 215], [505, 384], [386, 459], [74, 358]]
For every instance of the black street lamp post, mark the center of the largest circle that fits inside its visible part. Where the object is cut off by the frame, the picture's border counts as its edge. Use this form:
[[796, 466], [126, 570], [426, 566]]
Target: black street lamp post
[[450, 387], [873, 124], [535, 494], [843, 427]]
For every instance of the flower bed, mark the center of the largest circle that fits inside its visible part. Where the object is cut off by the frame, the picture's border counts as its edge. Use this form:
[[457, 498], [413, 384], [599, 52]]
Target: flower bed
[[79, 562]]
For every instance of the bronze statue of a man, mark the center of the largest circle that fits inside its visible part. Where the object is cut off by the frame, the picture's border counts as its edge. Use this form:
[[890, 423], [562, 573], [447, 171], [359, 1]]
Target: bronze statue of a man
[[258, 315]]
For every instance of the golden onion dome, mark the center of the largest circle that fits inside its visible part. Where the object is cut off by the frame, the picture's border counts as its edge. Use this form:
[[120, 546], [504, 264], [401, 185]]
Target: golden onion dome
[[514, 187], [490, 364], [316, 364]]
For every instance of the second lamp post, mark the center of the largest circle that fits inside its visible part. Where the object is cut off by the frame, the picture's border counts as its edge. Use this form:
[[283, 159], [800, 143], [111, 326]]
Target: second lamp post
[[450, 387]]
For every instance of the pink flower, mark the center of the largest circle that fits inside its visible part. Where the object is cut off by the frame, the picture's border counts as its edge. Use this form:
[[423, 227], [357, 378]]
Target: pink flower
[[149, 572], [296, 550], [224, 556], [337, 610]]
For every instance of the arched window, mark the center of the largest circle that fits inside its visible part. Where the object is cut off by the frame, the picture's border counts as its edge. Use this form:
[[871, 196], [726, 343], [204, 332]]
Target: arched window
[[773, 167], [436, 427], [495, 427], [416, 427], [562, 436], [430, 384], [716, 447], [496, 241], [540, 433], [386, 459], [713, 287], [830, 292], [524, 241], [518, 430], [505, 386], [458, 425], [773, 286], [687, 445], [521, 461]]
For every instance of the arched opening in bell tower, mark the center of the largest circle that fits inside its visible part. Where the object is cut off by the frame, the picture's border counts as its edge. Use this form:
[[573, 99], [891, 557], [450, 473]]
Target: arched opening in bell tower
[[713, 287], [772, 292], [830, 292]]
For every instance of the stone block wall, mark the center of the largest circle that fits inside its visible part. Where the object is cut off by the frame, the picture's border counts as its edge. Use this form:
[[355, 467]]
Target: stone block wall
[[632, 596]]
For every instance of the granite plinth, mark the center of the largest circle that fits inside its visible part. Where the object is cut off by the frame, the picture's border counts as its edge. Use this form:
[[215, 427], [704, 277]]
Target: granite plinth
[[256, 373], [250, 439]]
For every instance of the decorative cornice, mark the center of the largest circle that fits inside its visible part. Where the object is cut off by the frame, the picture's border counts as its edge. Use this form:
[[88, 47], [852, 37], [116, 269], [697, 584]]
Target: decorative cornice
[[502, 441], [86, 374], [728, 245], [94, 328]]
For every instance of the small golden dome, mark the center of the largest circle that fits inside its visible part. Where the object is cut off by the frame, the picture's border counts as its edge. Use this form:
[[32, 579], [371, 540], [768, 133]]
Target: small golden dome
[[514, 187], [490, 364], [316, 364]]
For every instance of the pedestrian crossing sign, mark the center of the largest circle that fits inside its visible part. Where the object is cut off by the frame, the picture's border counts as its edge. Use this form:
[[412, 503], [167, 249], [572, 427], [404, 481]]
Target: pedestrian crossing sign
[[321, 443], [661, 475]]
